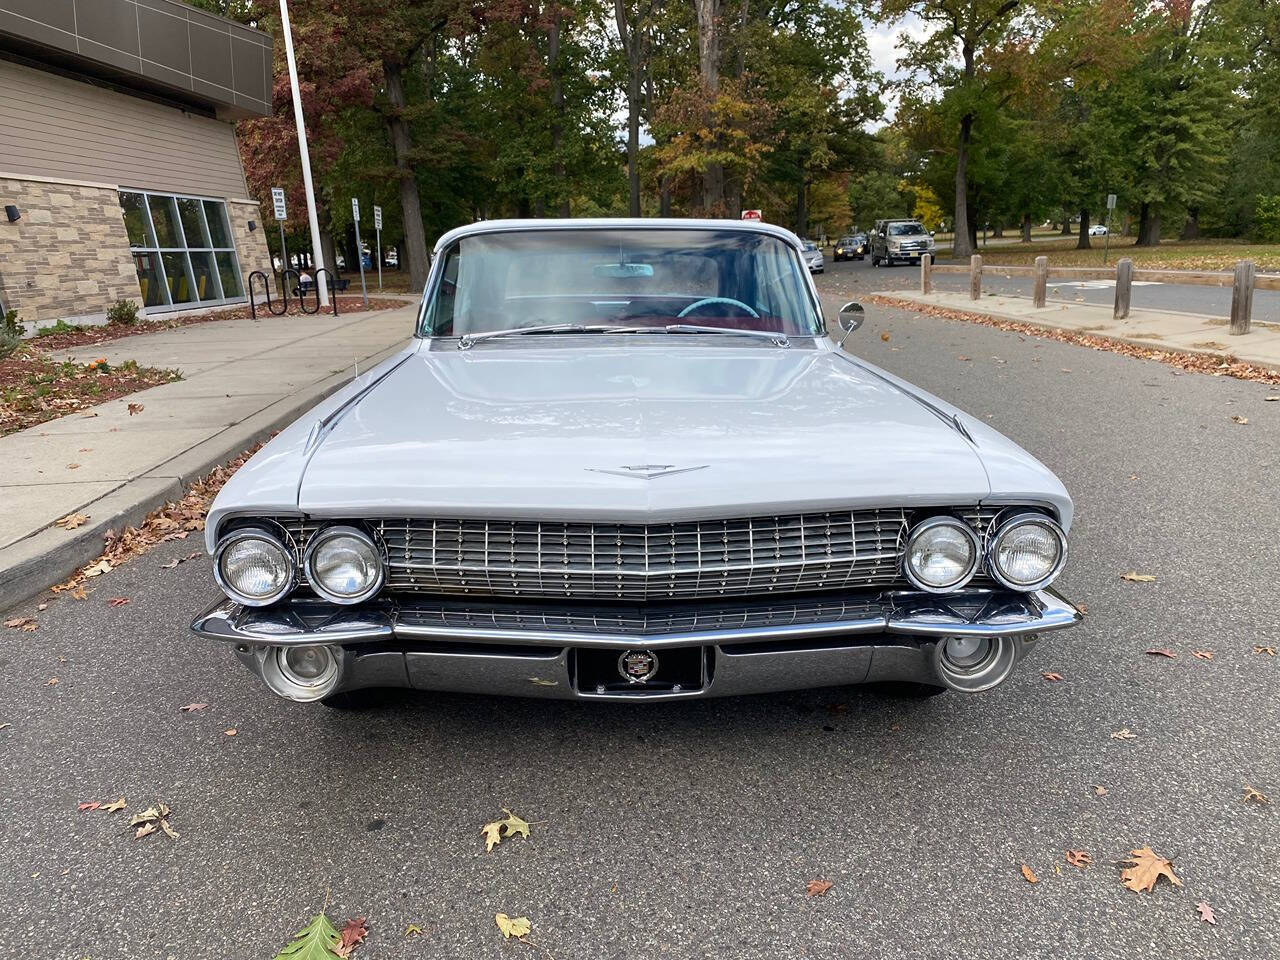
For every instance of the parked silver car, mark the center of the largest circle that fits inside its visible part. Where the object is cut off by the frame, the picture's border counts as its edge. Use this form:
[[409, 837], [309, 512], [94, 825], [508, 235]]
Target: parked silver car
[[623, 459], [813, 258]]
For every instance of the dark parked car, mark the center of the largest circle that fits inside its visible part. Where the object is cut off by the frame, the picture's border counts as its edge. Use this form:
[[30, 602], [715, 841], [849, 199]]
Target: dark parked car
[[851, 247]]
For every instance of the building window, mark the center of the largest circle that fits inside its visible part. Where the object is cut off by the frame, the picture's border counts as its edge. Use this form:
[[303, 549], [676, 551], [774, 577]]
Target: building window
[[182, 250]]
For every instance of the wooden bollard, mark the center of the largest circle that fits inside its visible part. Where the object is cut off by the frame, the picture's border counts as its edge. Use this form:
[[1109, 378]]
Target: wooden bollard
[[1124, 288], [1242, 297], [1041, 289], [975, 277], [926, 281]]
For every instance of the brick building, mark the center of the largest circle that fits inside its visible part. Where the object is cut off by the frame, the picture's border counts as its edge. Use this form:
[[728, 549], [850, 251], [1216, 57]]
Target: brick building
[[120, 177]]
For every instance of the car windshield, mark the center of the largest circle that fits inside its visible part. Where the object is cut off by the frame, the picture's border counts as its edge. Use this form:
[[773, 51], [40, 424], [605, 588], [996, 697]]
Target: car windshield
[[905, 229], [848, 239], [509, 280], [809, 246]]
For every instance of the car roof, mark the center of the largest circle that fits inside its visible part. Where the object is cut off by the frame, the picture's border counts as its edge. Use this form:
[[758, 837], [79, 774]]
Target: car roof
[[615, 223]]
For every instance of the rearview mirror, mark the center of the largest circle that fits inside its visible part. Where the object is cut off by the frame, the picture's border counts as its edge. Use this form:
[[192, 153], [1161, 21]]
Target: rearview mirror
[[851, 316], [622, 271]]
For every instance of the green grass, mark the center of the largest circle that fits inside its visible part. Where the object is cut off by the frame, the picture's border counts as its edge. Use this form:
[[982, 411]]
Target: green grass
[[1171, 254]]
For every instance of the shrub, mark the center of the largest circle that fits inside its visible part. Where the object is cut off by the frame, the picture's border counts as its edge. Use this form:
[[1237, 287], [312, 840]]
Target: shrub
[[1266, 219], [10, 333], [123, 311]]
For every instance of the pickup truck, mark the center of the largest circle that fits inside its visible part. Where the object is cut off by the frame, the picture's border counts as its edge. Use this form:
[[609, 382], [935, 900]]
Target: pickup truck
[[900, 240]]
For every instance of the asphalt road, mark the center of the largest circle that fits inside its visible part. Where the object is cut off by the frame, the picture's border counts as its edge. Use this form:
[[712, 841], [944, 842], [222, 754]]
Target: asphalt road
[[690, 830], [1211, 301]]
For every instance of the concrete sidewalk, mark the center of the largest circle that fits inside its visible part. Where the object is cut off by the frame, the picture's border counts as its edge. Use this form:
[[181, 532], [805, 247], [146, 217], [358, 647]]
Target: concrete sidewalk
[[1156, 329], [243, 379]]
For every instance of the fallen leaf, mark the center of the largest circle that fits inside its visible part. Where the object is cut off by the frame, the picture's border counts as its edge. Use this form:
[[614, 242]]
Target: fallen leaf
[[495, 831], [315, 941], [1206, 913], [1134, 577], [1052, 677], [1029, 875], [193, 707], [73, 466], [42, 606], [1078, 858], [5, 726], [1269, 651], [78, 593], [964, 358], [1125, 734], [816, 888], [517, 927], [1202, 654], [1239, 419], [1099, 791], [492, 834], [885, 336], [90, 805], [98, 569], [115, 807], [413, 930], [1146, 868], [118, 601], [230, 731], [21, 623], [149, 815], [171, 833], [145, 830], [135, 409], [1252, 795], [349, 937], [1163, 652], [1271, 399], [71, 521], [51, 682]]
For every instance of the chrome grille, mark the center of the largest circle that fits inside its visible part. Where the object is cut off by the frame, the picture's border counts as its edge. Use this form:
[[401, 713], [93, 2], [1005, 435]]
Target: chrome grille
[[643, 562]]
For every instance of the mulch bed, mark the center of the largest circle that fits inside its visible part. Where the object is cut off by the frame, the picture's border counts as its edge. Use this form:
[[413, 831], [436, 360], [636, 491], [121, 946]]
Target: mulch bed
[[114, 331], [1214, 366], [34, 388]]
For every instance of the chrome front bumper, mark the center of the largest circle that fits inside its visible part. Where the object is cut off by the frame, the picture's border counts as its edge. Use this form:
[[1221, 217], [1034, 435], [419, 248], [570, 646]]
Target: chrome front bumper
[[534, 649]]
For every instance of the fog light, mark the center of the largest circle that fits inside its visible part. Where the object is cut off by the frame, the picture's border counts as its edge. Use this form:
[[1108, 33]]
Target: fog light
[[965, 653], [972, 664], [307, 664], [303, 673]]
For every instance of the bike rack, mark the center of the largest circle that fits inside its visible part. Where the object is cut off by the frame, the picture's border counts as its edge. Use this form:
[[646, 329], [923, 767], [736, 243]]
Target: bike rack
[[283, 277]]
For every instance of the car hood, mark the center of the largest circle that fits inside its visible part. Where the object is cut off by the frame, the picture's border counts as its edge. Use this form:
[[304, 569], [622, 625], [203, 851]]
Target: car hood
[[635, 428]]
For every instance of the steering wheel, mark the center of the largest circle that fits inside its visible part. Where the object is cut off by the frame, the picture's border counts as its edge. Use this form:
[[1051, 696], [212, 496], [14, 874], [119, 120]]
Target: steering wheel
[[708, 301]]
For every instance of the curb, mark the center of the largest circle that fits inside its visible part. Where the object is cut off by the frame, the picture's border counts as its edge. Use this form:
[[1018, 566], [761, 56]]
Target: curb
[[51, 555]]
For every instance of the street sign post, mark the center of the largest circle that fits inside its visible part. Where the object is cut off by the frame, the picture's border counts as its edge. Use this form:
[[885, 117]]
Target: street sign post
[[377, 227], [277, 198], [355, 216], [1106, 246]]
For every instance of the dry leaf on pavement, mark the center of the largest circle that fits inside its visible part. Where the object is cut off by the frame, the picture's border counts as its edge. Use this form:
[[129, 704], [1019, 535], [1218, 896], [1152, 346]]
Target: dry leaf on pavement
[[1078, 858], [1099, 790], [517, 927], [495, 831], [1124, 734], [816, 888], [1052, 677], [349, 937], [1269, 651], [1239, 419], [1146, 868], [71, 521], [885, 336], [90, 805], [1162, 652], [230, 731], [51, 682], [1134, 577], [98, 569], [1029, 875], [413, 930], [1271, 399], [193, 707], [117, 601], [1202, 654], [145, 830], [135, 409], [152, 818], [1252, 795], [1206, 913], [115, 807], [22, 623]]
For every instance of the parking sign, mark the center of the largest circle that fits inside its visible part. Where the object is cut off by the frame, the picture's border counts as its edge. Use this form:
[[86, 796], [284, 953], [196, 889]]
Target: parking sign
[[355, 209], [277, 197], [377, 218]]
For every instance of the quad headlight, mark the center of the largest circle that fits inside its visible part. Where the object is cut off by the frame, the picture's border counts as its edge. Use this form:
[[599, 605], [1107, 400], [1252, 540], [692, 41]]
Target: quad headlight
[[344, 565], [253, 566], [942, 554], [1027, 552]]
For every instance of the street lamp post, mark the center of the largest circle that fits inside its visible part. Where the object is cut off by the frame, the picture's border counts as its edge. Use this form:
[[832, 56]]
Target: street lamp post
[[317, 252]]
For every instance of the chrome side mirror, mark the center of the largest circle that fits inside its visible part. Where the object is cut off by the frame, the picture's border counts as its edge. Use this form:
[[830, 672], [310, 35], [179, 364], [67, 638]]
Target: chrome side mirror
[[851, 316]]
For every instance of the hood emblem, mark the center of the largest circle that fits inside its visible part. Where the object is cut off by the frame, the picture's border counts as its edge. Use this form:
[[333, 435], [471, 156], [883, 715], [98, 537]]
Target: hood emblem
[[647, 471]]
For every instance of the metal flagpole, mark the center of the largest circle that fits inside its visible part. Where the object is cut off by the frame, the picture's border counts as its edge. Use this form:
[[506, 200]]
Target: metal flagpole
[[317, 252]]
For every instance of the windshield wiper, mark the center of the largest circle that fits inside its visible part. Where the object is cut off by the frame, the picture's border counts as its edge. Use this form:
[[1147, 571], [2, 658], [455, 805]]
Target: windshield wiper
[[777, 339], [468, 340]]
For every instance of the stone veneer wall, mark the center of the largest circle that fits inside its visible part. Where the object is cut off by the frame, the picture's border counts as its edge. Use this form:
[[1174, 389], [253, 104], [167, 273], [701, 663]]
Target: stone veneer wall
[[68, 257], [250, 245]]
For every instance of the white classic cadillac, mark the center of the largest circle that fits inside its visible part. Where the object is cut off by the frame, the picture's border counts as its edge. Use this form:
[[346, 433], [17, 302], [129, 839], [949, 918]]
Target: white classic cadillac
[[621, 459]]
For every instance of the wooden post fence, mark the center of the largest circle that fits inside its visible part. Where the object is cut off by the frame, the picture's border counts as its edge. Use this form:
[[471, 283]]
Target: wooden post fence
[[975, 277], [926, 281], [1242, 297], [1124, 288], [1040, 290]]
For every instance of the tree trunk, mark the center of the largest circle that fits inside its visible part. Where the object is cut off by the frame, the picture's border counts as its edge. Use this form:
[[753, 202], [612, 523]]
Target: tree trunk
[[802, 210], [964, 245], [708, 12], [631, 47], [1149, 227], [415, 234], [664, 196], [998, 229], [557, 108], [1026, 228], [1066, 224], [1191, 229], [1083, 243]]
